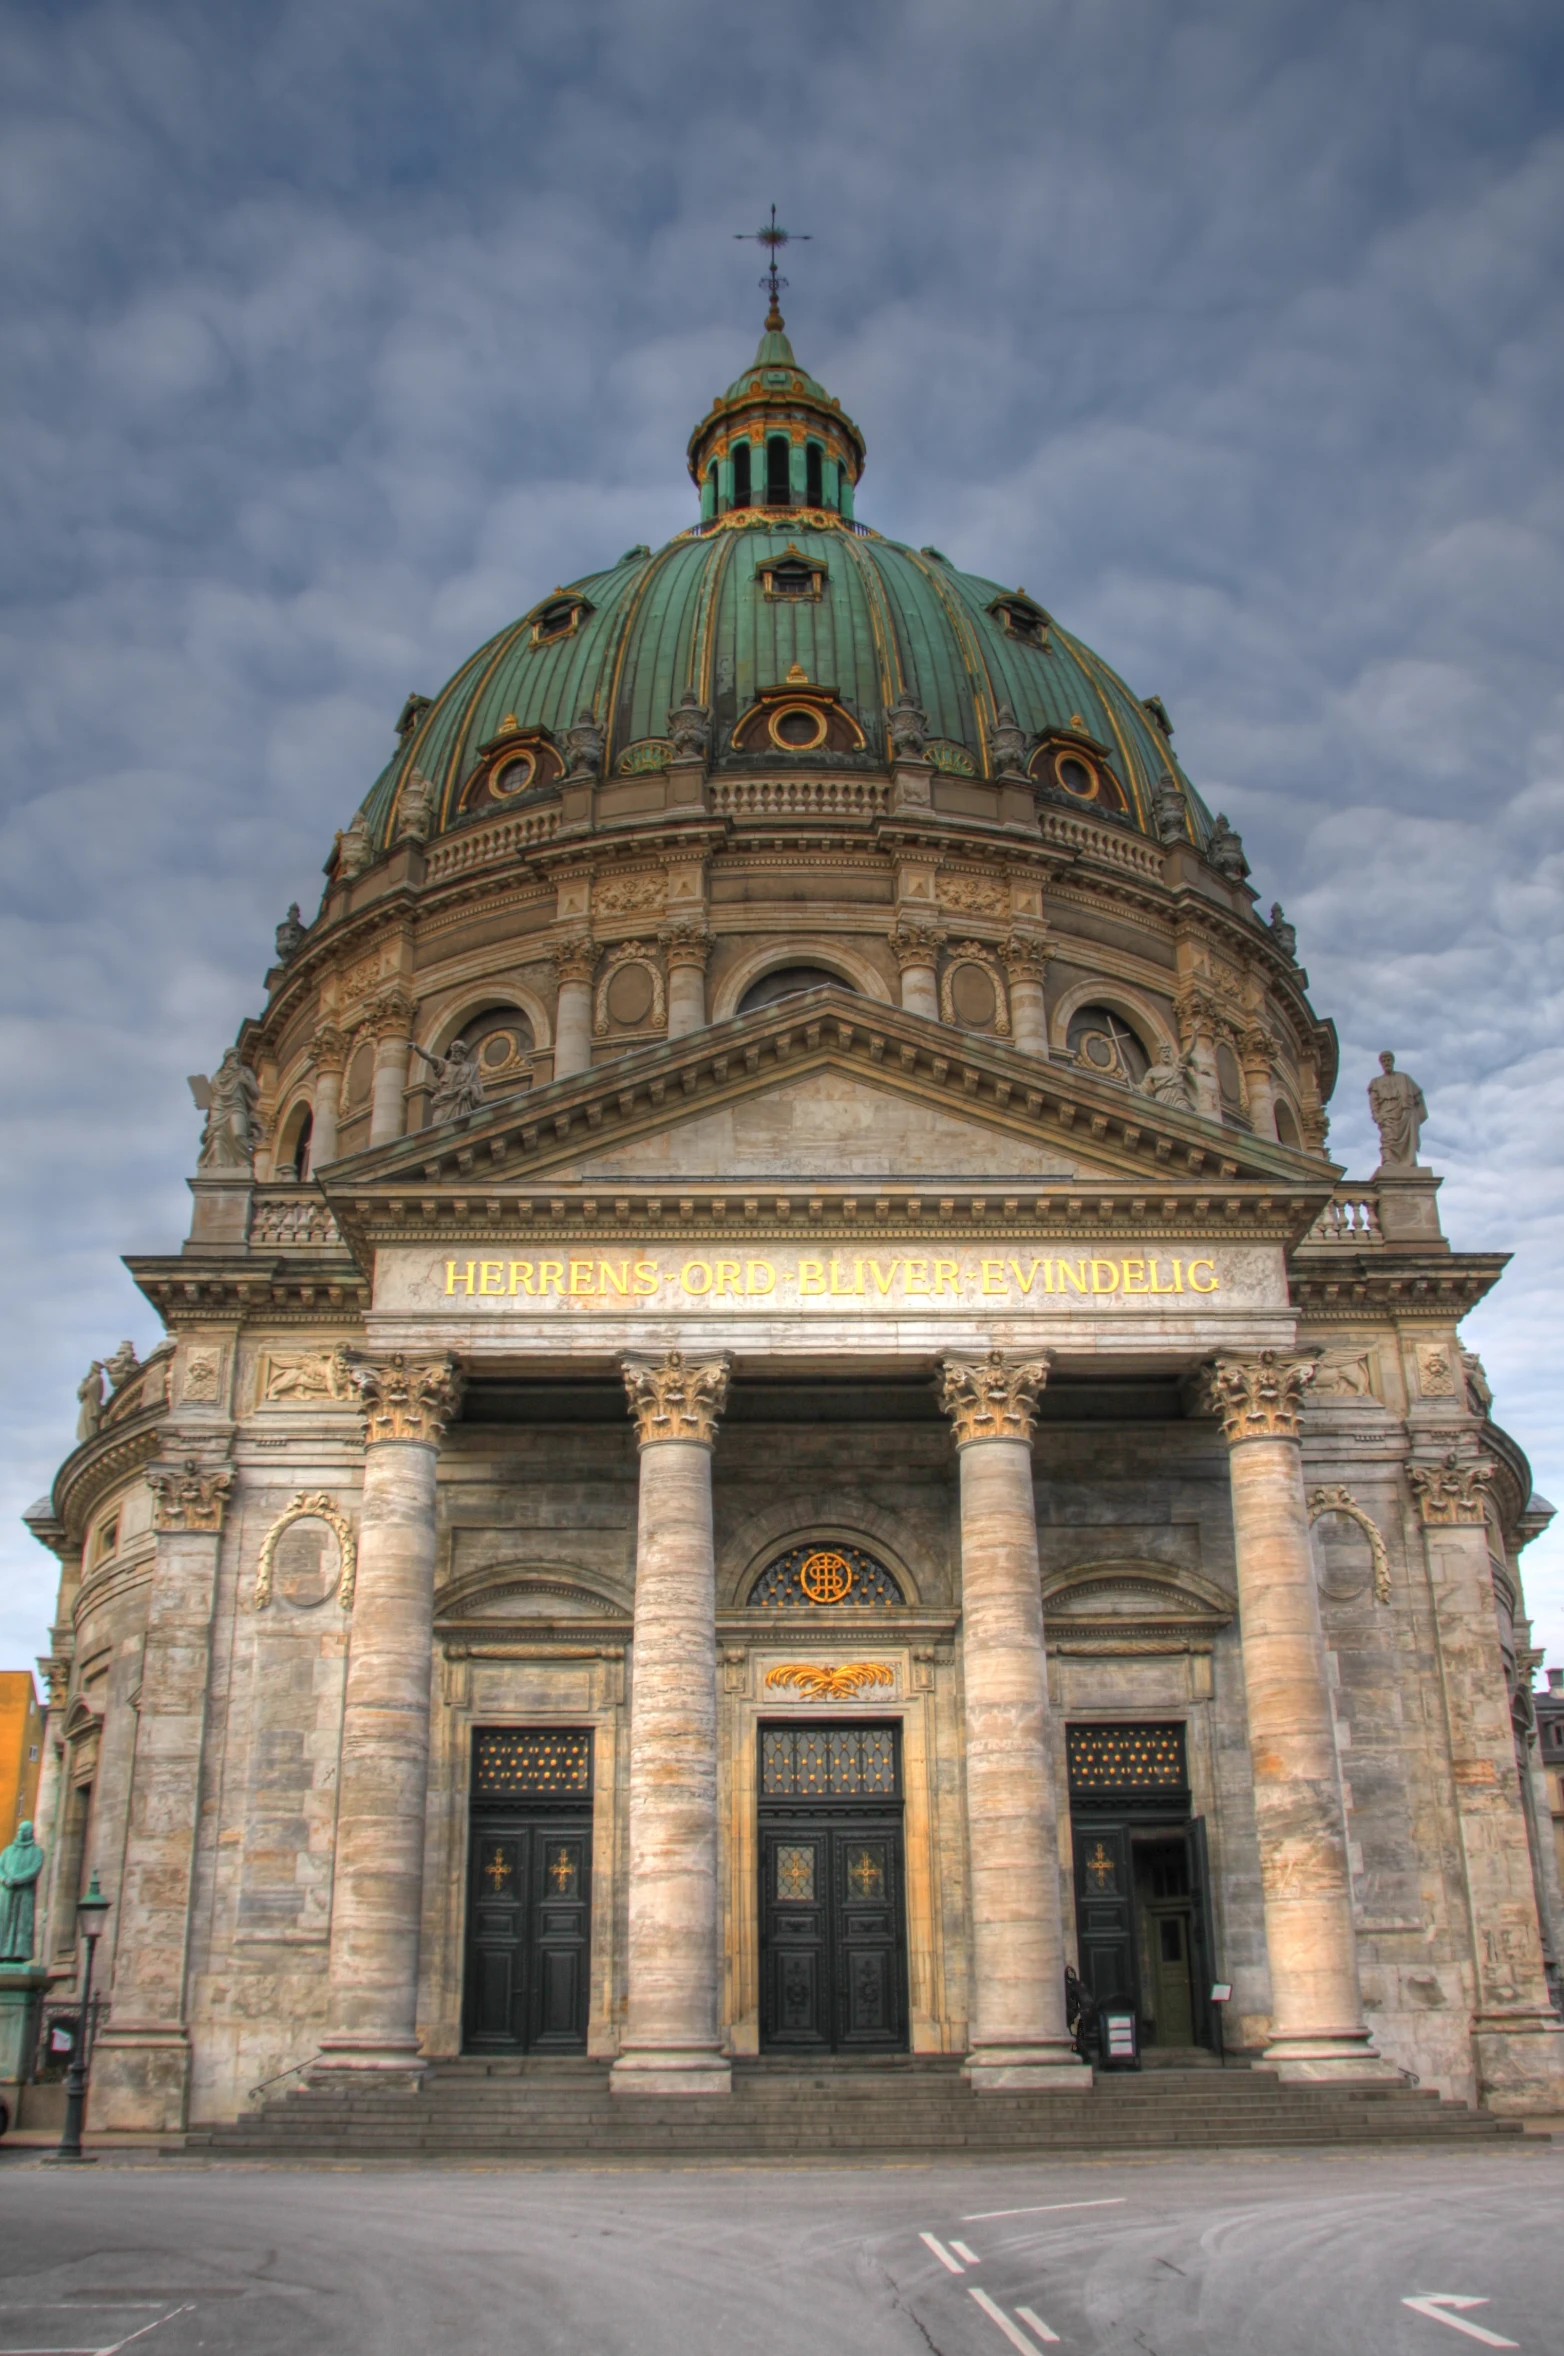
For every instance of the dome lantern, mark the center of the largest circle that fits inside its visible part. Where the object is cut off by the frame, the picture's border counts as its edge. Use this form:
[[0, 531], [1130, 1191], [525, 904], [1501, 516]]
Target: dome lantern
[[775, 440]]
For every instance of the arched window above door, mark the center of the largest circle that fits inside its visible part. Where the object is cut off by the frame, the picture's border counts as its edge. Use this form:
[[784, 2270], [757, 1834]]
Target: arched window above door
[[825, 1577]]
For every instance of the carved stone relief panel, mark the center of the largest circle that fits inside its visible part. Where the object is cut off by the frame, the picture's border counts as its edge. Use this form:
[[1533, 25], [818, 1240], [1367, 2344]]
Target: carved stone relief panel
[[1347, 1370], [1436, 1370], [307, 1378]]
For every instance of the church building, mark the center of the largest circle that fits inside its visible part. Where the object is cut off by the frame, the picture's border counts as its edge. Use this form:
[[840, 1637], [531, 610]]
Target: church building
[[777, 1438]]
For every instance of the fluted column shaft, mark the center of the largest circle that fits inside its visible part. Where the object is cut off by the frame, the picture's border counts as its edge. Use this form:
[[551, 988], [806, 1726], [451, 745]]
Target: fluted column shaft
[[671, 2043], [378, 1876], [1317, 2025], [1018, 2036]]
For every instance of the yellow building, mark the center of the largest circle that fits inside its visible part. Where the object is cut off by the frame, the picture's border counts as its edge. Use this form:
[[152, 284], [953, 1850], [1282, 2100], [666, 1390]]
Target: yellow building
[[21, 1746]]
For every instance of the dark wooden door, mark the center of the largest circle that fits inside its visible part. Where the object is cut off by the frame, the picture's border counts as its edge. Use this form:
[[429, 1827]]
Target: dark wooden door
[[528, 1921], [1105, 1915], [832, 1935]]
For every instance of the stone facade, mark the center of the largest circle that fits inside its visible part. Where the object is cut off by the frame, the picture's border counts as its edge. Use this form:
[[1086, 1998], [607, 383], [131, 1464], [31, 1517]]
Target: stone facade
[[906, 1156]]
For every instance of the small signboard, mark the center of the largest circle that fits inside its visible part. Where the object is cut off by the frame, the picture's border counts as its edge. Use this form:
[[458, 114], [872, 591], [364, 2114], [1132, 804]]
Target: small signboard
[[1120, 2048]]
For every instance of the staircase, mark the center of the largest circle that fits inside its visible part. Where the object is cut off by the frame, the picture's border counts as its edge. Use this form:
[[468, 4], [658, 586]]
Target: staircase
[[903, 2109]]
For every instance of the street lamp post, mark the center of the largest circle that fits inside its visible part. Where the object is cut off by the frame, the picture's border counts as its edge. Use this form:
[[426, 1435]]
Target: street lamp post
[[90, 1911]]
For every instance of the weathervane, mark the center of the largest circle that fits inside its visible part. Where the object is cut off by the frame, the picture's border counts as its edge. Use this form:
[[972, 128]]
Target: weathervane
[[773, 238]]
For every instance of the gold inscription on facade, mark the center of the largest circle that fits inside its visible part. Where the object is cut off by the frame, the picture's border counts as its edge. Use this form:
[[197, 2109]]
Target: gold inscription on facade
[[898, 1277]]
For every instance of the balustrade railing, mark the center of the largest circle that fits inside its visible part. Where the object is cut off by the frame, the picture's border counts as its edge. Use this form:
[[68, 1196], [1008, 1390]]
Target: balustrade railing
[[1351, 1216]]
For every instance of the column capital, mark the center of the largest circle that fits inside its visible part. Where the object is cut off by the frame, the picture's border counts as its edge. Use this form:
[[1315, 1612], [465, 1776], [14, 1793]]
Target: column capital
[[672, 1400], [392, 1015], [1452, 1493], [575, 960], [404, 1398], [1027, 958], [329, 1049], [189, 1498], [916, 944], [992, 1398], [1257, 1398], [685, 945]]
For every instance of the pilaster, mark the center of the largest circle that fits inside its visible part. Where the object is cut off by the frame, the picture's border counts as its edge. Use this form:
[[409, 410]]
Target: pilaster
[[141, 2068]]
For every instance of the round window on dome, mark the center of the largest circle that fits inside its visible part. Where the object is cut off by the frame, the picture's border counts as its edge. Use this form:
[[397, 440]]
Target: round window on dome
[[515, 775], [1104, 1043], [798, 728], [1077, 776], [500, 1042]]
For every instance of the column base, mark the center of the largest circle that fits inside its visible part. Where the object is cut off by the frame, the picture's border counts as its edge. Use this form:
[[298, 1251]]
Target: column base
[[139, 2080], [671, 2069], [1341, 2058], [1520, 2063], [386, 2059], [1027, 2069]]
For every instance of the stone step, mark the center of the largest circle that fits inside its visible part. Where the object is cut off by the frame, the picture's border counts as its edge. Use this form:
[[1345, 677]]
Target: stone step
[[470, 2109]]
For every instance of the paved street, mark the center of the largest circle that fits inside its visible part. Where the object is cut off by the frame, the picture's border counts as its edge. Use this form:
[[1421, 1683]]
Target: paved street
[[1239, 2255]]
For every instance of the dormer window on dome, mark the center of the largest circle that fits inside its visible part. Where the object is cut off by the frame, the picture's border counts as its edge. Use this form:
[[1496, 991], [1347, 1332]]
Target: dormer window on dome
[[792, 574], [559, 618], [1019, 618]]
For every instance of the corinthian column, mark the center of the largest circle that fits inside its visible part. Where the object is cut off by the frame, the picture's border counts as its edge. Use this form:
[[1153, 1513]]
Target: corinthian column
[[378, 1876], [141, 2065], [916, 948], [687, 947], [328, 1055], [671, 2043], [1018, 2036], [1026, 961], [393, 1048], [575, 962], [1317, 2026]]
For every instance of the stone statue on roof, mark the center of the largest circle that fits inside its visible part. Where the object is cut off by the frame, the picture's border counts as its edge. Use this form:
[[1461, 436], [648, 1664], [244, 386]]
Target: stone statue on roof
[[1396, 1103]]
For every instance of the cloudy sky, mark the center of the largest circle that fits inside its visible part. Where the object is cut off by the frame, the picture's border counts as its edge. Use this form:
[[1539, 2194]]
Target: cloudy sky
[[335, 334]]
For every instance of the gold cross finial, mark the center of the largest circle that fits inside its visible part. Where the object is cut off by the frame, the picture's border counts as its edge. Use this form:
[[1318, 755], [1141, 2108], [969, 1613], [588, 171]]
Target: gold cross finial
[[773, 238]]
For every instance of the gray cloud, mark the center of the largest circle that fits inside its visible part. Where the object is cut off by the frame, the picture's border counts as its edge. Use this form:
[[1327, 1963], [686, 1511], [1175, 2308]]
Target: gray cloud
[[335, 335]]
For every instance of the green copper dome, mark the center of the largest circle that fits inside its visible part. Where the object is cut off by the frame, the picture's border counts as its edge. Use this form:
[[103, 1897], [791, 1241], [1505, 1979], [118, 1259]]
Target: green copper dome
[[790, 592]]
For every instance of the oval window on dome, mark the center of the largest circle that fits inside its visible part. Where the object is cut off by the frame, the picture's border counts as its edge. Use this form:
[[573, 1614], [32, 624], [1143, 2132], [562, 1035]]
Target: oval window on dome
[[798, 728], [515, 775], [1103, 1042], [786, 981]]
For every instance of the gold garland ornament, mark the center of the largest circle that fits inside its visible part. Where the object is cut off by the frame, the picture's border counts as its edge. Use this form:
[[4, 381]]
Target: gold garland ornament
[[819, 1682]]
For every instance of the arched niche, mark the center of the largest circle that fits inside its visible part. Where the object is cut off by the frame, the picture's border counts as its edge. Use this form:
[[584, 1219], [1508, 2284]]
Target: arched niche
[[837, 961], [1133, 1006]]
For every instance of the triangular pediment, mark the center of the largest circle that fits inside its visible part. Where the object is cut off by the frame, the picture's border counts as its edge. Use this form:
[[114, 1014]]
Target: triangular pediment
[[826, 1091]]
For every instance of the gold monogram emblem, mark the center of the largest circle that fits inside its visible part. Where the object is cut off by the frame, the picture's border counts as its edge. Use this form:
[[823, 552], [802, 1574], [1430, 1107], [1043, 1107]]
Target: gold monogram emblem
[[824, 1577]]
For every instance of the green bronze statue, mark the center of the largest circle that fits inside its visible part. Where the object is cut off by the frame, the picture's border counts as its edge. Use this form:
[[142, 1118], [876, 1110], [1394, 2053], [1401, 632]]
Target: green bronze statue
[[20, 1866]]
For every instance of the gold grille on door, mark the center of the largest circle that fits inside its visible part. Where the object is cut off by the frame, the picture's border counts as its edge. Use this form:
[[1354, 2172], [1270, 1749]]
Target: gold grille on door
[[536, 1762], [828, 1761], [1126, 1758]]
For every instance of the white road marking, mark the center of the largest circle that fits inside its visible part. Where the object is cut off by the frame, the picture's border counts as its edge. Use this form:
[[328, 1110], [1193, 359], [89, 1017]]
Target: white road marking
[[962, 2251], [1012, 2331], [1436, 2305], [1047, 2209], [118, 2344], [943, 2255], [1037, 2324]]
